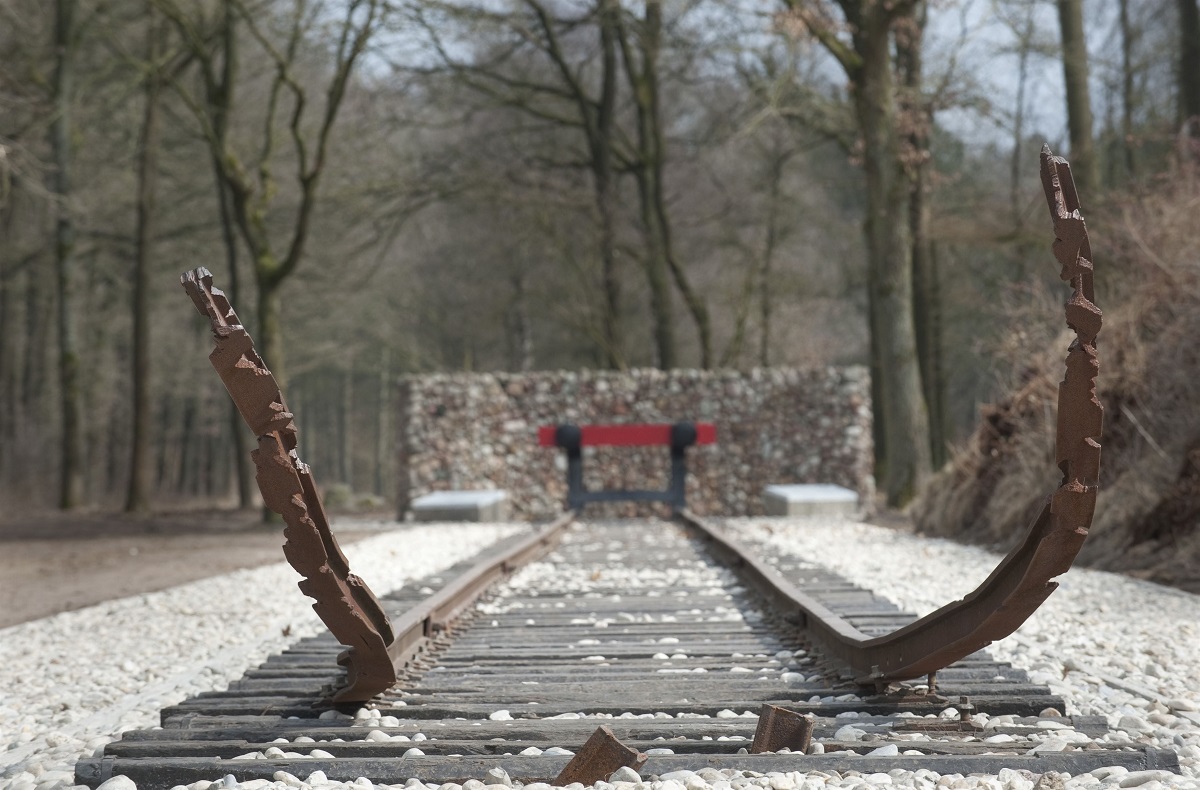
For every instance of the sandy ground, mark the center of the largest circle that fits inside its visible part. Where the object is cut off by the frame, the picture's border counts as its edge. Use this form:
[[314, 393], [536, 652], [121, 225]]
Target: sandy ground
[[53, 563]]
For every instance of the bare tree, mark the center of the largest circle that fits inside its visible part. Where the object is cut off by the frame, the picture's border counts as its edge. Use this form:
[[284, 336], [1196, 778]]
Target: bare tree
[[917, 112], [137, 496], [61, 130], [1019, 16], [558, 91], [866, 59], [641, 53], [251, 177], [1127, 93], [220, 82]]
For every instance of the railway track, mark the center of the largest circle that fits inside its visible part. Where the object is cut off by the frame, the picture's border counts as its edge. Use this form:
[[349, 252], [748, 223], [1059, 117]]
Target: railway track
[[666, 647], [632, 625]]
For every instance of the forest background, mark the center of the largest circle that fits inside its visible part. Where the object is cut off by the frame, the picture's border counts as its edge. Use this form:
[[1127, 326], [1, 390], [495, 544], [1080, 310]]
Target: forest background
[[400, 186]]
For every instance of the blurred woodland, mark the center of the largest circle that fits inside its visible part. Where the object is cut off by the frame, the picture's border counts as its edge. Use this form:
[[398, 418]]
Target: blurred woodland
[[397, 186]]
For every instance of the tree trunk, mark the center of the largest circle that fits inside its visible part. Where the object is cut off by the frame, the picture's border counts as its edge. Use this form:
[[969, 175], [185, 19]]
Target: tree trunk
[[137, 497], [243, 476], [656, 275], [220, 99], [926, 304], [644, 89], [927, 300], [1189, 65], [521, 353], [162, 473], [656, 221], [1017, 163], [346, 445], [187, 452], [768, 259], [71, 463], [383, 414], [1127, 93], [7, 377], [695, 303], [34, 362], [269, 340], [269, 343], [889, 249], [1084, 166], [605, 187]]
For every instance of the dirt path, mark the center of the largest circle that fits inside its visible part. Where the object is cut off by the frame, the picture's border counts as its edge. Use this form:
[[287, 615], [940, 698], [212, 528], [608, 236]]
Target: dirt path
[[53, 563]]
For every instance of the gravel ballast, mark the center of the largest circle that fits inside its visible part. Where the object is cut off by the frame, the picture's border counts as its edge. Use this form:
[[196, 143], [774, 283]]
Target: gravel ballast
[[1108, 645], [76, 680]]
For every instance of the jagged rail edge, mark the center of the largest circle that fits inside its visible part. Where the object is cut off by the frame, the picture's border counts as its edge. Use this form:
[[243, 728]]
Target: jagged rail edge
[[343, 601], [1025, 577]]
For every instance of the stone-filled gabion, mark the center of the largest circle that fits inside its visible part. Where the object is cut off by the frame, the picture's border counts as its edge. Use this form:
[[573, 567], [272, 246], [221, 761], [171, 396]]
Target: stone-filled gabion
[[774, 425]]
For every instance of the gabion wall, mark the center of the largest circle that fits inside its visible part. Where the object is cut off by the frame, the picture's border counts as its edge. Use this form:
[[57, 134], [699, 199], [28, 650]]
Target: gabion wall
[[776, 425]]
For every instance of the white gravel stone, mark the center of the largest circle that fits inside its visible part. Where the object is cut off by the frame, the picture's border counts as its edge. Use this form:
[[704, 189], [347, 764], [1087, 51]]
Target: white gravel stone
[[118, 783], [1140, 778], [849, 733], [625, 774], [682, 777]]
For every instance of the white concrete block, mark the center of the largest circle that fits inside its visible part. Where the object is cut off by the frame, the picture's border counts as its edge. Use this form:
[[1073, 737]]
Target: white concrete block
[[461, 506], [811, 499]]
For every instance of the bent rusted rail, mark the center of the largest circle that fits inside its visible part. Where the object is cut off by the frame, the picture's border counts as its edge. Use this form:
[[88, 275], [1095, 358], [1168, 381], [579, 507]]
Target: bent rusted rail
[[377, 650], [1024, 578], [343, 601]]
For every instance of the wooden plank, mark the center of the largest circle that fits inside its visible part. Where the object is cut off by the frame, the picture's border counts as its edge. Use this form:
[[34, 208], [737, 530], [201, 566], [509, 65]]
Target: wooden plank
[[155, 773]]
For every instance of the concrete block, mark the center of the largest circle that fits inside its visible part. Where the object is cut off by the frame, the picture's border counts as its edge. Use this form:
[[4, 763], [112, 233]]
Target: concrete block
[[461, 506], [810, 500]]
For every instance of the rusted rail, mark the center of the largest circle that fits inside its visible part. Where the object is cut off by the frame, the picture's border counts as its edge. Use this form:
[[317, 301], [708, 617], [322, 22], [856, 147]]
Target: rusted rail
[[377, 650], [415, 627], [343, 601], [1024, 578]]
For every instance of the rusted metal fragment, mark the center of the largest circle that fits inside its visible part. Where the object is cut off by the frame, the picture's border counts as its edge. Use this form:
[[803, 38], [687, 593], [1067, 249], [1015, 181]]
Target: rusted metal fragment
[[1024, 578], [1080, 414], [780, 728], [343, 601], [600, 756]]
